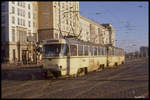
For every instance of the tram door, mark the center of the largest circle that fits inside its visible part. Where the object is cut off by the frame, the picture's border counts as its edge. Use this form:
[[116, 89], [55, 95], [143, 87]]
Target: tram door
[[68, 60]]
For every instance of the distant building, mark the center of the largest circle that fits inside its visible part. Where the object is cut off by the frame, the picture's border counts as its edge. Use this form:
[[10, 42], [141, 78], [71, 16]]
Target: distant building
[[95, 32], [144, 51], [111, 33]]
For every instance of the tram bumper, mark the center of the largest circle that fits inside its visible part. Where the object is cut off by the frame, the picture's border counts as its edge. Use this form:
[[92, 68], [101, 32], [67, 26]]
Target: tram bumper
[[50, 72]]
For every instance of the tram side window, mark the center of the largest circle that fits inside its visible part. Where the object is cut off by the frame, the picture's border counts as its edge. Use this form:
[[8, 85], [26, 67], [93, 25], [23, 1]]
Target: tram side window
[[102, 50], [117, 53], [95, 51], [91, 51], [80, 50], [109, 52], [86, 50], [64, 50], [73, 50], [113, 51], [105, 51], [98, 51], [122, 53]]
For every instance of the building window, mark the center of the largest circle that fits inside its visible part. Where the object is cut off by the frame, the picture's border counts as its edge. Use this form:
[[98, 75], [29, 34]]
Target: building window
[[13, 2], [29, 15], [23, 22], [18, 12], [46, 8], [29, 24], [13, 20], [13, 35], [18, 21], [56, 36], [62, 5], [46, 16], [13, 10], [28, 6], [46, 24], [23, 13]]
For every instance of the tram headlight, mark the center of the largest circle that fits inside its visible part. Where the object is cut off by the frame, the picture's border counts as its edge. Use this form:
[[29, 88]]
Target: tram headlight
[[60, 67]]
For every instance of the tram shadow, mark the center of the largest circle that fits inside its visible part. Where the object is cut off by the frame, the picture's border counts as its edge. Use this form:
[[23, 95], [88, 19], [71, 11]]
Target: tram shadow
[[22, 74]]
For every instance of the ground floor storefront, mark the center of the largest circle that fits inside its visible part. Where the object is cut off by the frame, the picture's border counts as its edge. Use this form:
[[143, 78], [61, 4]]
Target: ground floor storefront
[[18, 53]]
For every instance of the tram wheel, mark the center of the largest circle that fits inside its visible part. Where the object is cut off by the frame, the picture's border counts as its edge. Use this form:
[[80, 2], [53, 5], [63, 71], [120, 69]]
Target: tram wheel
[[81, 72]]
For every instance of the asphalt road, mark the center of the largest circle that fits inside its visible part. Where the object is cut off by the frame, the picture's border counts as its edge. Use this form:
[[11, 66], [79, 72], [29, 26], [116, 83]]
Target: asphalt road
[[126, 81]]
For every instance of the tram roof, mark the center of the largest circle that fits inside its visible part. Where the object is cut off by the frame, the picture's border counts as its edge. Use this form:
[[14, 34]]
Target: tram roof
[[77, 41]]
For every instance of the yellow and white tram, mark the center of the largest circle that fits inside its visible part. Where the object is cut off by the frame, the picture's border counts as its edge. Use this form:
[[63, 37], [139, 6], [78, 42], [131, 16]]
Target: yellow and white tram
[[75, 57]]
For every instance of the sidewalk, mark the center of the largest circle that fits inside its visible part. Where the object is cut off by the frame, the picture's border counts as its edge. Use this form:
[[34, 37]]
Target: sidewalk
[[14, 66]]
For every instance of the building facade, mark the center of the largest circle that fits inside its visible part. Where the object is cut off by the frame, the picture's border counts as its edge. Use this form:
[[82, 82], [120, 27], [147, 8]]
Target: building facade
[[25, 23], [96, 33], [85, 26], [110, 33], [17, 25], [58, 19], [144, 51]]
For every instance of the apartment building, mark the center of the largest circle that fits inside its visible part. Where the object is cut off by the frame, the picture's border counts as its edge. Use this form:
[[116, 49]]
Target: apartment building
[[95, 32], [85, 26], [17, 26], [110, 32], [58, 19]]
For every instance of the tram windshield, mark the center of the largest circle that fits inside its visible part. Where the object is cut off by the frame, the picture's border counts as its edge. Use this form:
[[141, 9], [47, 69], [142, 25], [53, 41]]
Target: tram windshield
[[52, 50]]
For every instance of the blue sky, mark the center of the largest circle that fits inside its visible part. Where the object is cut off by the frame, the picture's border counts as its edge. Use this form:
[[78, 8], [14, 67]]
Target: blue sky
[[129, 19]]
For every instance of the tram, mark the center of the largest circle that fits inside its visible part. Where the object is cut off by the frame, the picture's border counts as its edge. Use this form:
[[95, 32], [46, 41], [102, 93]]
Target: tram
[[72, 57]]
